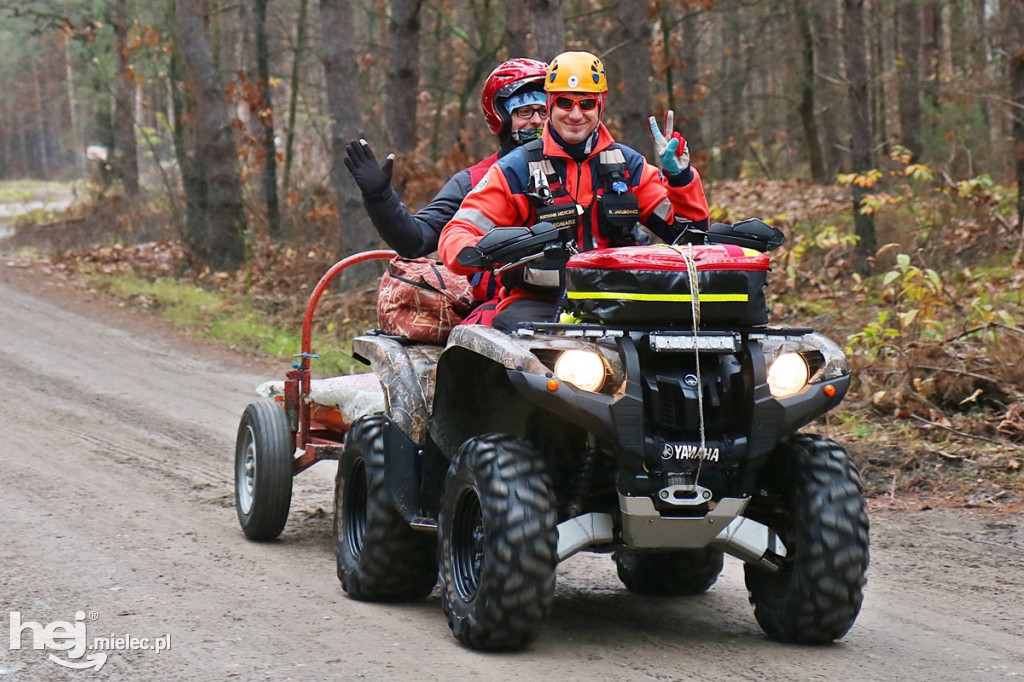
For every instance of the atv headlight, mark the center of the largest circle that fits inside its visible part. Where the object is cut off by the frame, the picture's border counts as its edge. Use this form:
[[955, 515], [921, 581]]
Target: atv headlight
[[787, 375], [824, 359], [583, 369]]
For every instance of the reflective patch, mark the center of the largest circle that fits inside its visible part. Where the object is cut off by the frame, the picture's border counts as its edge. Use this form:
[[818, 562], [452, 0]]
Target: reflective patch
[[544, 166], [663, 210], [611, 157], [541, 278], [471, 215]]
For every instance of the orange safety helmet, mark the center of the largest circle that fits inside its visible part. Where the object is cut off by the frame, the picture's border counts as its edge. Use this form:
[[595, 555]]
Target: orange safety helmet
[[576, 72], [504, 81]]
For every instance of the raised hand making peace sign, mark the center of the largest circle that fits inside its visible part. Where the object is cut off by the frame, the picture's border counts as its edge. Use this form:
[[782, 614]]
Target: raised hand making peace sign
[[672, 150]]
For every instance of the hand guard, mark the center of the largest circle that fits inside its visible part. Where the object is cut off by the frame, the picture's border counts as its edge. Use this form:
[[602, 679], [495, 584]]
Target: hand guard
[[362, 164]]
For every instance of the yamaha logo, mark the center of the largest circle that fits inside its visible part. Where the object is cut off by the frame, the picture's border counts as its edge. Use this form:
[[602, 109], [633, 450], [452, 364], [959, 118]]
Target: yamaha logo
[[686, 451]]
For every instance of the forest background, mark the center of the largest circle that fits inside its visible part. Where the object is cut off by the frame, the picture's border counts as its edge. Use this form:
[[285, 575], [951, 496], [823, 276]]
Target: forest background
[[885, 137]]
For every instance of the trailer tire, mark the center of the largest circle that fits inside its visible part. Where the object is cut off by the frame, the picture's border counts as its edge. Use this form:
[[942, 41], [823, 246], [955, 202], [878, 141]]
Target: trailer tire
[[498, 543], [816, 596], [677, 573], [380, 557], [263, 471]]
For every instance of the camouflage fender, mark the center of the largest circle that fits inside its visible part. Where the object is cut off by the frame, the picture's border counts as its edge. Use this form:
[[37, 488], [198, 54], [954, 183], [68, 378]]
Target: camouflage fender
[[497, 346], [407, 374]]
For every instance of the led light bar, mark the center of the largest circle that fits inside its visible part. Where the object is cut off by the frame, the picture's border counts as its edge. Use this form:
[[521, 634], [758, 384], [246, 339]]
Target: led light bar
[[714, 343]]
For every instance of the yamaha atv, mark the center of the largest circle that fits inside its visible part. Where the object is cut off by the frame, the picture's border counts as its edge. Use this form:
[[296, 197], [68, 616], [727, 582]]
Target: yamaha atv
[[658, 423]]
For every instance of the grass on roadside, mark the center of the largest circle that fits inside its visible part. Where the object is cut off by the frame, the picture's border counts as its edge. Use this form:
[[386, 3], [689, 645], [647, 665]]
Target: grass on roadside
[[212, 315], [24, 191]]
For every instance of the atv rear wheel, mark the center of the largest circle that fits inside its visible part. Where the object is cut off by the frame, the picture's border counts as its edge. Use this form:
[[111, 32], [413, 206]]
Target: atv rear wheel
[[678, 573], [816, 596], [380, 557], [498, 543], [263, 471]]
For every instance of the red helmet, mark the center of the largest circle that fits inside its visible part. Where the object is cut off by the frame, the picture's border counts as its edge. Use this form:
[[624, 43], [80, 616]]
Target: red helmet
[[509, 77]]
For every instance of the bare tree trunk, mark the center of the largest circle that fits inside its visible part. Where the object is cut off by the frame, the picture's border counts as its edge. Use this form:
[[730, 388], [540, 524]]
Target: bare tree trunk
[[548, 28], [875, 76], [23, 141], [78, 144], [736, 75], [807, 114], [404, 74], [910, 76], [181, 133], [266, 120], [631, 73], [43, 156], [293, 97], [932, 46], [126, 156], [1015, 48], [828, 74], [217, 226], [340, 67], [517, 25], [688, 117], [440, 83], [860, 141]]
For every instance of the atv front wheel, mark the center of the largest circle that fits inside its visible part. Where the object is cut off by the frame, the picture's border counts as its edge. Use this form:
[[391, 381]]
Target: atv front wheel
[[380, 557], [816, 596], [263, 471], [678, 573], [498, 544]]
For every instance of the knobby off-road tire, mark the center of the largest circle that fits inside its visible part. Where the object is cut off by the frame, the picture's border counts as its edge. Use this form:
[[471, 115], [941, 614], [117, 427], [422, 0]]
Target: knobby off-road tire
[[380, 557], [817, 595], [263, 471], [678, 573], [498, 544]]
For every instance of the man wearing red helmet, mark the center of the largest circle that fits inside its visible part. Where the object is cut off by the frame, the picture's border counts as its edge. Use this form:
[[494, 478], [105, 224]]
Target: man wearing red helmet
[[575, 175], [514, 109]]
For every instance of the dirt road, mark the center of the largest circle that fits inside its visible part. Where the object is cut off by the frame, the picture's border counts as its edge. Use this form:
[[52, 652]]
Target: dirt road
[[116, 516]]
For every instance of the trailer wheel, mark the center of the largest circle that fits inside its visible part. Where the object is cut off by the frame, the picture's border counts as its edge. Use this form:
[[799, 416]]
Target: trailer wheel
[[823, 521], [677, 573], [498, 544], [263, 471], [380, 557]]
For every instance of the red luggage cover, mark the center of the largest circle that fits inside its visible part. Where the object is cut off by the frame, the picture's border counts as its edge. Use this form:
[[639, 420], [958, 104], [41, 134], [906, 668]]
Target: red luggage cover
[[650, 285]]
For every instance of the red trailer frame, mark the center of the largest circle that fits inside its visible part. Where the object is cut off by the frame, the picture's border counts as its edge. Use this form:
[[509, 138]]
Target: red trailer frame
[[317, 430]]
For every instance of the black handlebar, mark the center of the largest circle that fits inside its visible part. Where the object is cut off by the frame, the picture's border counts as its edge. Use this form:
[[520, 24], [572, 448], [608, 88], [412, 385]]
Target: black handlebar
[[513, 244]]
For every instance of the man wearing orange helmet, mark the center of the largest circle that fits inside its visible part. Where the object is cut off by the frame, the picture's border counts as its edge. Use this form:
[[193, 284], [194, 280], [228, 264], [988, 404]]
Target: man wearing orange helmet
[[514, 109], [575, 175]]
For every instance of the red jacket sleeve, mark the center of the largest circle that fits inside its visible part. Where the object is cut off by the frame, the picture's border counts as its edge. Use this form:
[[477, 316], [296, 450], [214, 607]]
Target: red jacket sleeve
[[488, 205]]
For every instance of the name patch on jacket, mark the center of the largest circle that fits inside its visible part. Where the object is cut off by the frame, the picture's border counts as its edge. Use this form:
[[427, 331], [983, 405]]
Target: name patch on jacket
[[559, 215]]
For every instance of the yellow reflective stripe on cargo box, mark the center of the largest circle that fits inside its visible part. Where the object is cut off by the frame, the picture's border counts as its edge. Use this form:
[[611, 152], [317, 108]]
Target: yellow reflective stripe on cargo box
[[675, 298]]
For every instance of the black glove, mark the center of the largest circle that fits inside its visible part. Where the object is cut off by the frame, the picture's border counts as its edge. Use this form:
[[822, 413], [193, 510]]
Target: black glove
[[362, 164]]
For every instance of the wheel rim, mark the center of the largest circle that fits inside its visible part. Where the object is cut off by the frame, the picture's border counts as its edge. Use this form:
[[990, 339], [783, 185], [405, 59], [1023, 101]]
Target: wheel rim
[[246, 473], [354, 508], [467, 544]]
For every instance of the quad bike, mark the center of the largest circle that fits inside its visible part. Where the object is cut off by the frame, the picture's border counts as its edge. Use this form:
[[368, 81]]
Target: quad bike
[[665, 435]]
